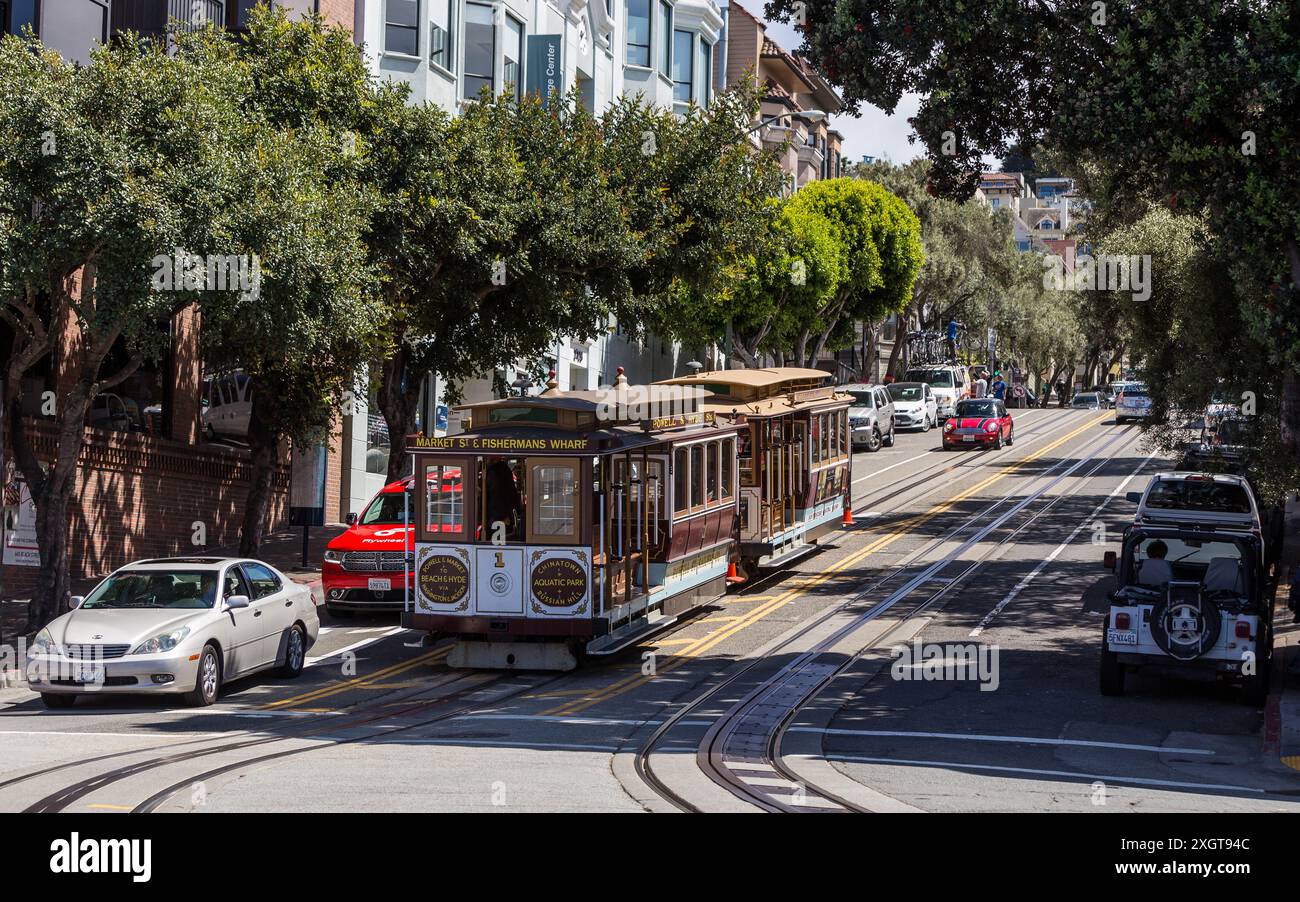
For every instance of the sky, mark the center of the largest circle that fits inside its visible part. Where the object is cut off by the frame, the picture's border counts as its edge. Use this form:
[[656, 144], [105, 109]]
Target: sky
[[872, 132]]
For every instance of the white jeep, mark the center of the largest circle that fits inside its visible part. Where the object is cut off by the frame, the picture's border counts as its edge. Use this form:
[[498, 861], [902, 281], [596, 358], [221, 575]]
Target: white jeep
[[1196, 601]]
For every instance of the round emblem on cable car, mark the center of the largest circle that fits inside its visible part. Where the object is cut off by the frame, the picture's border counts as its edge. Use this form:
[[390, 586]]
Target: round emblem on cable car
[[444, 579], [559, 582]]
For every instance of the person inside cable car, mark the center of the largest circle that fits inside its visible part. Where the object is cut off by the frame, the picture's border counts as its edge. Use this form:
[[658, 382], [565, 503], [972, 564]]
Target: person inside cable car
[[503, 501]]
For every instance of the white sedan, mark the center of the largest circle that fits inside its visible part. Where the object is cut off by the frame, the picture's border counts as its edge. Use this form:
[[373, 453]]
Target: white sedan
[[175, 625]]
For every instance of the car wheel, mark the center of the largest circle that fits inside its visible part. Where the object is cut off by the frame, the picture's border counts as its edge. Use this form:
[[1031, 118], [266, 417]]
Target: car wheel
[[874, 444], [58, 700], [1112, 671], [997, 445], [889, 439], [295, 653], [1011, 436], [207, 684], [925, 422]]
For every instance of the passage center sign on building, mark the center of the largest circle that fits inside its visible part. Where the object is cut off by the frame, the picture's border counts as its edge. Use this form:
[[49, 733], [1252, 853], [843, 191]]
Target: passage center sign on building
[[545, 65]]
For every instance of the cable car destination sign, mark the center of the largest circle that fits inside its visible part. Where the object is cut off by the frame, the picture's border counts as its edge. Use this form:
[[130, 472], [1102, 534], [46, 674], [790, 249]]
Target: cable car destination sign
[[498, 443]]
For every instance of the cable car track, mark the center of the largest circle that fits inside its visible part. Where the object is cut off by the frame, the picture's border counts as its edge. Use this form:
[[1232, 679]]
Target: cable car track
[[712, 751], [368, 714]]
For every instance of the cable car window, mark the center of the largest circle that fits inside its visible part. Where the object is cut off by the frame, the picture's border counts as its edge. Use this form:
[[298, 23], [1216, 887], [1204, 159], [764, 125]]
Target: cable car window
[[712, 450], [745, 458], [826, 439], [816, 438], [728, 455], [697, 476], [444, 506], [554, 501], [681, 473]]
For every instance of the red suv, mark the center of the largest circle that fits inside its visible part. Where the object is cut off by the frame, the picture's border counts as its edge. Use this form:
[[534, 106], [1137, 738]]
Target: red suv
[[363, 567]]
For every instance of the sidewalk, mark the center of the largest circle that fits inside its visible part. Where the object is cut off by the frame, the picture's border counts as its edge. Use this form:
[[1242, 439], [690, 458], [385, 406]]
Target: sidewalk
[[282, 550]]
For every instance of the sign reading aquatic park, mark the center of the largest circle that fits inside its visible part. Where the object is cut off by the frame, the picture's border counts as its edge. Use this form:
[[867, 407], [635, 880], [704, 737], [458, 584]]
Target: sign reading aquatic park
[[545, 71], [494, 443]]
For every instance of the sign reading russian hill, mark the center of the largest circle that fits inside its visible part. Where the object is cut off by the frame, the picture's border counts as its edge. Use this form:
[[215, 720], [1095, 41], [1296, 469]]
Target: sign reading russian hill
[[545, 65]]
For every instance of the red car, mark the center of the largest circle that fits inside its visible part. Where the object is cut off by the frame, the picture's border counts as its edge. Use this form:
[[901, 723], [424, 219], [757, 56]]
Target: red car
[[978, 423], [363, 567]]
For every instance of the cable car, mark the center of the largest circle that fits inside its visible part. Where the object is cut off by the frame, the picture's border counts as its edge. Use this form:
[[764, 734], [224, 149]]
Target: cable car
[[572, 523], [794, 456]]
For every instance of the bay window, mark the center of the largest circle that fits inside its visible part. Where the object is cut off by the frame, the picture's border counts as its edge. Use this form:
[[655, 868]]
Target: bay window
[[665, 39], [638, 33], [514, 55], [401, 26], [683, 66], [480, 50], [440, 34]]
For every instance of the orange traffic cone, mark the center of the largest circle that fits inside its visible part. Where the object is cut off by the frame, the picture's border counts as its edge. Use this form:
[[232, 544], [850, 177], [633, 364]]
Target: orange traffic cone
[[733, 576], [847, 522]]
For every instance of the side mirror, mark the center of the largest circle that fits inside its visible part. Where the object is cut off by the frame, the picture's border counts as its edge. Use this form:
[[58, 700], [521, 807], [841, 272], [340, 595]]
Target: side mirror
[[1135, 497], [1109, 560], [236, 601], [76, 601], [352, 519]]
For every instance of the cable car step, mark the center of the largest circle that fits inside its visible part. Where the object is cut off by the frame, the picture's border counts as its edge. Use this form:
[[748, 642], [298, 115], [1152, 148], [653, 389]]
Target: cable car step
[[786, 557], [630, 633]]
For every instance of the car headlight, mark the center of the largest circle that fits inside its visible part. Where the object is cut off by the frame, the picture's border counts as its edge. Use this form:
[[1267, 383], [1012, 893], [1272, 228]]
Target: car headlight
[[333, 557], [43, 644], [161, 642]]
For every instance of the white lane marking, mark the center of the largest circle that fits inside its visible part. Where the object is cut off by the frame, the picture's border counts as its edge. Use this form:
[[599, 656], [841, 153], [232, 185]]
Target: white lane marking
[[1043, 564], [1024, 740], [388, 631], [1113, 778], [584, 721], [572, 746], [4, 733]]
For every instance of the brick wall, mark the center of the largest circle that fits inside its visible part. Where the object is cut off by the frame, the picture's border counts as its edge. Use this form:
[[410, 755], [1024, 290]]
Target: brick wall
[[339, 12], [140, 496]]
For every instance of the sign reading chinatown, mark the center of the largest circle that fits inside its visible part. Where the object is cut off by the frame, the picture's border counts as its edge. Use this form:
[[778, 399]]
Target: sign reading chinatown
[[444, 579], [559, 582]]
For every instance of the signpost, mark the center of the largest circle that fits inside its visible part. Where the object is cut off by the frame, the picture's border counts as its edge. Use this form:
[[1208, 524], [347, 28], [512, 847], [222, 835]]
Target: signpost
[[307, 491]]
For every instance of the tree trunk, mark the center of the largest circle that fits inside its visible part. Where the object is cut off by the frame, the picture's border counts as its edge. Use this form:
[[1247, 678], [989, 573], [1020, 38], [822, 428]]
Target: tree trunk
[[264, 445], [801, 348], [398, 407]]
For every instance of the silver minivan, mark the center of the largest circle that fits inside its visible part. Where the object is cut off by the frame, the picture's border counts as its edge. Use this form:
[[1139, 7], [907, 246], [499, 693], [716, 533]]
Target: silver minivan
[[871, 416]]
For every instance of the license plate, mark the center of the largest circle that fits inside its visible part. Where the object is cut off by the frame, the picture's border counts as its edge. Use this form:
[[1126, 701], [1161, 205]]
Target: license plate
[[90, 675], [378, 584], [968, 438], [1122, 637]]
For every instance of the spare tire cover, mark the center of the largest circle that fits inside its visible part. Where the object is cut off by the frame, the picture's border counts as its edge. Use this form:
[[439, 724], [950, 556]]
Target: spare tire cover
[[1185, 624]]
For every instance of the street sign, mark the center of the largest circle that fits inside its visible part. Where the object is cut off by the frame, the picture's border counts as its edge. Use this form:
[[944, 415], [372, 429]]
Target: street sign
[[307, 486]]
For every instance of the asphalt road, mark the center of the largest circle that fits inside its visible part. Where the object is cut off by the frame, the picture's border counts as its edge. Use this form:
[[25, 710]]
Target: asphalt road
[[783, 696]]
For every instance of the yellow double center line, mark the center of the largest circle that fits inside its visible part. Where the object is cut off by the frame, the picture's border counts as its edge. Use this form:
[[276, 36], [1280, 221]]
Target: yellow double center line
[[705, 643], [358, 682]]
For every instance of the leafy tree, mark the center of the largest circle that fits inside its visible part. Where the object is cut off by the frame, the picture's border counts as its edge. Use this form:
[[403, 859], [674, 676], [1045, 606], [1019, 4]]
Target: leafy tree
[[1191, 104], [880, 243], [786, 284], [103, 168]]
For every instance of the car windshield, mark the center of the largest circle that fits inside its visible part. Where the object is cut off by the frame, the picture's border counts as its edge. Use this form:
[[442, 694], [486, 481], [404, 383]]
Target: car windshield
[[937, 378], [971, 408], [1215, 562], [388, 507], [1199, 495], [1135, 393], [1234, 432], [155, 589], [862, 399], [906, 392]]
